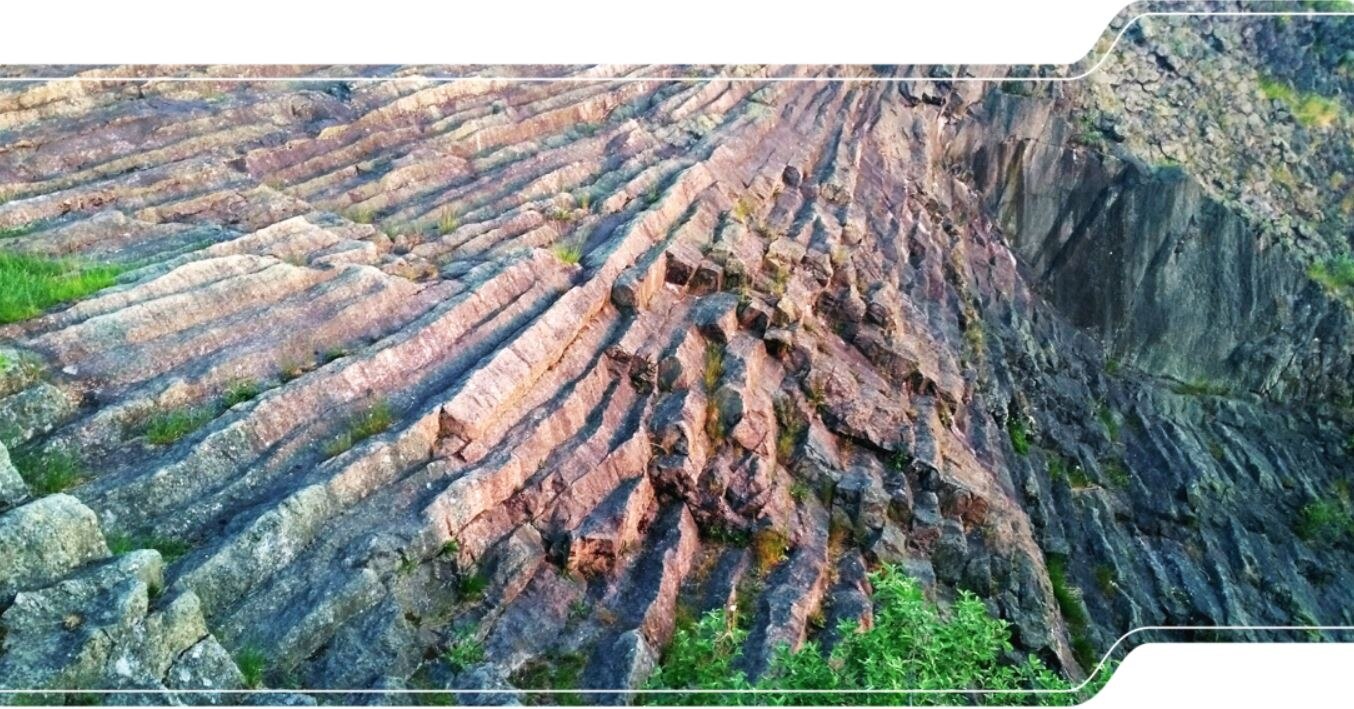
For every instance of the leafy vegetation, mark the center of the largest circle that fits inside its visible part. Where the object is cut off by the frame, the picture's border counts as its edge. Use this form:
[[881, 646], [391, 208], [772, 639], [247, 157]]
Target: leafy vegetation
[[1311, 110], [49, 472], [1324, 520], [166, 427], [31, 284], [913, 644], [374, 420]]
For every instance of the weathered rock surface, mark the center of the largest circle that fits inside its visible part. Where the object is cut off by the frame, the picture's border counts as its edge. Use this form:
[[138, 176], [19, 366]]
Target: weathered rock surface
[[516, 366]]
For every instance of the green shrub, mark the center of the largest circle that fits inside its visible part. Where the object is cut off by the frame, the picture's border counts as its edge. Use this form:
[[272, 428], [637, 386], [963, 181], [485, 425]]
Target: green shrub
[[166, 427], [1324, 519], [912, 645], [31, 284], [1336, 275], [49, 472]]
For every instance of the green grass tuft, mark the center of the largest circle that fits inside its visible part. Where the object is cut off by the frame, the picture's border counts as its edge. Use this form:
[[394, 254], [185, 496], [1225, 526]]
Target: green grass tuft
[[30, 285], [1073, 609], [240, 391], [1020, 435], [166, 427], [252, 663], [374, 420], [49, 472], [568, 253], [713, 368], [555, 672], [471, 587], [170, 549], [464, 652], [449, 221]]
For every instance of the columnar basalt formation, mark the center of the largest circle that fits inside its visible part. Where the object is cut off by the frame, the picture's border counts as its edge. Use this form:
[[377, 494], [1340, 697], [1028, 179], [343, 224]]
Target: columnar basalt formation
[[545, 365]]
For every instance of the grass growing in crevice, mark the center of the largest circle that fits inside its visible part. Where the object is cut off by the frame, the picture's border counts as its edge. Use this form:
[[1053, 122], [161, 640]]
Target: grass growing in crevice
[[14, 232], [556, 671], [769, 547], [1199, 387], [170, 549], [240, 391], [449, 221], [790, 426], [567, 253], [1019, 434], [49, 472], [31, 284], [166, 427], [464, 652], [253, 664], [1071, 473], [913, 643], [471, 587], [1073, 610], [374, 420], [712, 368]]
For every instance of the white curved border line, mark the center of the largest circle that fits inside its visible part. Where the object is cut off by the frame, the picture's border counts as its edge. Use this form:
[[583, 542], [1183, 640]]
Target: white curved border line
[[1099, 667], [684, 79]]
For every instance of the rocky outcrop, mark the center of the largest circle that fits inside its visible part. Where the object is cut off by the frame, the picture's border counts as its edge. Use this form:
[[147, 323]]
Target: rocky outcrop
[[76, 617], [487, 386]]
